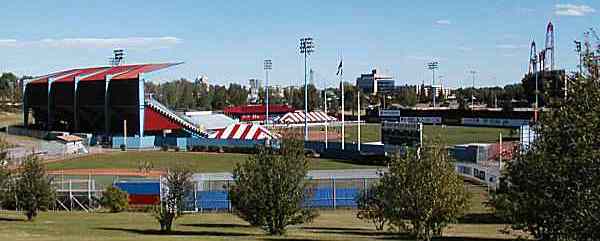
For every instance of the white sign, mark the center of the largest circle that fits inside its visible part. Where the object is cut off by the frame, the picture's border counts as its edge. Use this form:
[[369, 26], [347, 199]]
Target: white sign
[[389, 113], [501, 122], [422, 119]]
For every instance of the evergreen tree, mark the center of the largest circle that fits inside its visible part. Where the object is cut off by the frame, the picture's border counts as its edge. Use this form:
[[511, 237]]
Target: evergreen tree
[[552, 189]]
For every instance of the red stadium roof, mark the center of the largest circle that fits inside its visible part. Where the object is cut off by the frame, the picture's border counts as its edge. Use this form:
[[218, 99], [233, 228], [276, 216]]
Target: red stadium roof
[[257, 109], [120, 72]]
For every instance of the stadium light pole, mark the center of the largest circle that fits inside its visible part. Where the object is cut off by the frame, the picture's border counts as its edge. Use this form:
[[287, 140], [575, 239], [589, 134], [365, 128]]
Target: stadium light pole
[[473, 72], [433, 66], [306, 48], [268, 66]]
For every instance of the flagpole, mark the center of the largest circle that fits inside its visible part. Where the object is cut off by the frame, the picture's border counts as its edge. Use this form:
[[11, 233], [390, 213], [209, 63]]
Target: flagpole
[[343, 110], [358, 120], [326, 121]]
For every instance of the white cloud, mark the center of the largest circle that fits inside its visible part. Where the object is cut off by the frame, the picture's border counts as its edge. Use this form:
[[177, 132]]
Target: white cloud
[[573, 10], [443, 22], [130, 42], [511, 46], [465, 48], [424, 58], [8, 42]]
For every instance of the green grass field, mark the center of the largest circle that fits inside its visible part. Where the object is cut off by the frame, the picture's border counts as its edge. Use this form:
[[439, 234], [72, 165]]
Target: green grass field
[[330, 225], [452, 134], [198, 162]]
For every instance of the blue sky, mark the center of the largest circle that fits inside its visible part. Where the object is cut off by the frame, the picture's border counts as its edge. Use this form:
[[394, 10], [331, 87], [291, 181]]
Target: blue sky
[[228, 40]]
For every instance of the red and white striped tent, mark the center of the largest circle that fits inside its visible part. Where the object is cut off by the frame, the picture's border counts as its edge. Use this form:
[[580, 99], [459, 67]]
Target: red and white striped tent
[[243, 132], [298, 117]]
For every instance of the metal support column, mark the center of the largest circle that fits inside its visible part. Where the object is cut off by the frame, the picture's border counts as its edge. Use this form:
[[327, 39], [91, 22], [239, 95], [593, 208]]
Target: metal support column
[[141, 104], [106, 105], [75, 104], [334, 193], [25, 106], [49, 106]]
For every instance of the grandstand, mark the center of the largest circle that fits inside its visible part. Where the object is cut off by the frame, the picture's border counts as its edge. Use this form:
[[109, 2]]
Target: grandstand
[[110, 104], [100, 100]]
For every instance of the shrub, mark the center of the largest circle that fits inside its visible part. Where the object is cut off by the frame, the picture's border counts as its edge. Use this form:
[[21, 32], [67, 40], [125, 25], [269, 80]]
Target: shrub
[[175, 184], [269, 188], [422, 189], [114, 199], [371, 207], [33, 187]]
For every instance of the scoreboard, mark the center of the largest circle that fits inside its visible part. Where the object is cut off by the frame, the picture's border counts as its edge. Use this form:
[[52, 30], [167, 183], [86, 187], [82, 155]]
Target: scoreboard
[[402, 133]]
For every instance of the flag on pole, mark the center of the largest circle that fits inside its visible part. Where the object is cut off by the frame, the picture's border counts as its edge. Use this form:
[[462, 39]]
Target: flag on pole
[[339, 71]]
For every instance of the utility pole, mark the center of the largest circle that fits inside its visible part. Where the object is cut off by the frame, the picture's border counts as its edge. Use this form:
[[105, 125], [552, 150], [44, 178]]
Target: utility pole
[[306, 48], [473, 72], [433, 66], [578, 50], [268, 66]]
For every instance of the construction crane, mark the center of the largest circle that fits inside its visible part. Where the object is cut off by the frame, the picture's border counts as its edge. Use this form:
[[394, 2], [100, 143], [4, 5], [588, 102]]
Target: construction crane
[[593, 55], [597, 40]]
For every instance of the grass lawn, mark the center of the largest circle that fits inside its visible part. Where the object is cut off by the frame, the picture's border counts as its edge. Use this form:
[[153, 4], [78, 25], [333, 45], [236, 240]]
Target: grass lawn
[[330, 225], [199, 162], [453, 134]]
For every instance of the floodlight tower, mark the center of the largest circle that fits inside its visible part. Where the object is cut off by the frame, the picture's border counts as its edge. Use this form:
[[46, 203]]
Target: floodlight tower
[[433, 66], [306, 48], [268, 66], [473, 72], [118, 55]]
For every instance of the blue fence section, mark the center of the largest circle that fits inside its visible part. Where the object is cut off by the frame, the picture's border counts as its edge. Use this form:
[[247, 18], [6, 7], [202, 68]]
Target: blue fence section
[[140, 187], [187, 143], [134, 142], [320, 198]]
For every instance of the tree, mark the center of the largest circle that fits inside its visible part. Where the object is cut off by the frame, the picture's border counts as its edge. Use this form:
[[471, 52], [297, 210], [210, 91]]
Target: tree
[[371, 206], [237, 95], [269, 187], [7, 83], [423, 189], [552, 189], [219, 100], [175, 184], [33, 187], [114, 199]]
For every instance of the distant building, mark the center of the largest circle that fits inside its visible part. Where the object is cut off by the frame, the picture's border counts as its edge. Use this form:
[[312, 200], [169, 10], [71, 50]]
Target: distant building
[[276, 90], [406, 87], [255, 85], [203, 79], [439, 90], [375, 82]]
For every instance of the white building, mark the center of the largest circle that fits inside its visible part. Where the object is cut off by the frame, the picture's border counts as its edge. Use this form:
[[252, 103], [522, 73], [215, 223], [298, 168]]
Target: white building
[[203, 79], [255, 85], [439, 90]]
